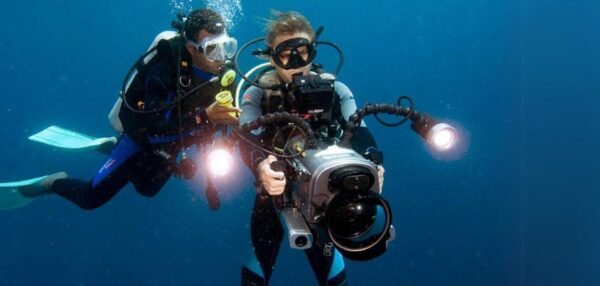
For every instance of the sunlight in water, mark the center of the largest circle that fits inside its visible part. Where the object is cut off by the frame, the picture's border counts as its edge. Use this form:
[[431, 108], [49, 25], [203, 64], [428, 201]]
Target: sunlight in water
[[181, 5], [229, 9]]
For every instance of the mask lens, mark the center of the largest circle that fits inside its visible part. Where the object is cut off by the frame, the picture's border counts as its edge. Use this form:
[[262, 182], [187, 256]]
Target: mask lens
[[219, 48], [213, 52], [210, 49], [284, 56], [294, 53], [230, 48], [302, 51]]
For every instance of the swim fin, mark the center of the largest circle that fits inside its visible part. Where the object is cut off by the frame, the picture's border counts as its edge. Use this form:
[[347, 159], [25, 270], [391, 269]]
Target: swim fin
[[17, 194], [68, 139]]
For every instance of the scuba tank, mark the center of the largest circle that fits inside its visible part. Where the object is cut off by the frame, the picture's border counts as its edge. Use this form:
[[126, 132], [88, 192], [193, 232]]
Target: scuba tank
[[144, 60]]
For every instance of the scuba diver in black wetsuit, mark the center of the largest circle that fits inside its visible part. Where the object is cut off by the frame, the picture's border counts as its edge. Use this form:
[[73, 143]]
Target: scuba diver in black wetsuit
[[291, 41], [167, 105]]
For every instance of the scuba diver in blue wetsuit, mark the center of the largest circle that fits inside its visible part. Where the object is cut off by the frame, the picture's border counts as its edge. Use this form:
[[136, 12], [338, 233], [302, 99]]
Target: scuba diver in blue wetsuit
[[167, 104], [291, 48]]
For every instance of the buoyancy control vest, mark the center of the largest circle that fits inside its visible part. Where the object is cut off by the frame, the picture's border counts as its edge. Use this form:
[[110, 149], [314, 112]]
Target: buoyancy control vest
[[134, 76], [167, 52]]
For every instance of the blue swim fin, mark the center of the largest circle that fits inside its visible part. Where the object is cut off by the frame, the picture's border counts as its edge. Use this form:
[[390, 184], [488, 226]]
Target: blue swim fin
[[11, 193], [68, 139]]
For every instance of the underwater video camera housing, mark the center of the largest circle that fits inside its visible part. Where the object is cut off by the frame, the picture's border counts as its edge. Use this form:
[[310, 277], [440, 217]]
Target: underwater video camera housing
[[329, 186], [338, 189]]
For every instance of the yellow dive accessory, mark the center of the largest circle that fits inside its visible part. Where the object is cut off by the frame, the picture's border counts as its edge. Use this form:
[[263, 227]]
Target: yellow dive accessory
[[224, 98], [227, 78]]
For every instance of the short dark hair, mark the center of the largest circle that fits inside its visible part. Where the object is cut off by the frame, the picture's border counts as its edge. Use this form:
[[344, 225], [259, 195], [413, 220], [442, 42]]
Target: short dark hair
[[206, 19]]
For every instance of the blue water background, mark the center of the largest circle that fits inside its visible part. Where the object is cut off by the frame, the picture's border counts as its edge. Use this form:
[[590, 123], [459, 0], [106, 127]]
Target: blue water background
[[517, 207]]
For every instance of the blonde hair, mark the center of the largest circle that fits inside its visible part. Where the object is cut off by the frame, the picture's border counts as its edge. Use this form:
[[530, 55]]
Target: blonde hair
[[287, 23]]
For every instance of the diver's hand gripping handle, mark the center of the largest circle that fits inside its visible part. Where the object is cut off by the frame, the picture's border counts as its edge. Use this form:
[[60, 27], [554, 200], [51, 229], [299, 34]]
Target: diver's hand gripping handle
[[278, 166]]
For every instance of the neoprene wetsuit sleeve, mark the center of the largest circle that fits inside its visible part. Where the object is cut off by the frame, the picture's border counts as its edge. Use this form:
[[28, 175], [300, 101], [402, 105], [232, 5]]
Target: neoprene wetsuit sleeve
[[251, 109], [363, 139]]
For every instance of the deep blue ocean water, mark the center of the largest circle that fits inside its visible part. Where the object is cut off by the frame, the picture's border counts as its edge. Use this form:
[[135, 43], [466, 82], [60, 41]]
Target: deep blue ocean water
[[518, 207]]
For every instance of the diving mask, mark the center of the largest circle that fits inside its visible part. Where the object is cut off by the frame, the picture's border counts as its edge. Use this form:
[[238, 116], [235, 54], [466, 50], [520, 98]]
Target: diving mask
[[294, 53], [218, 47]]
